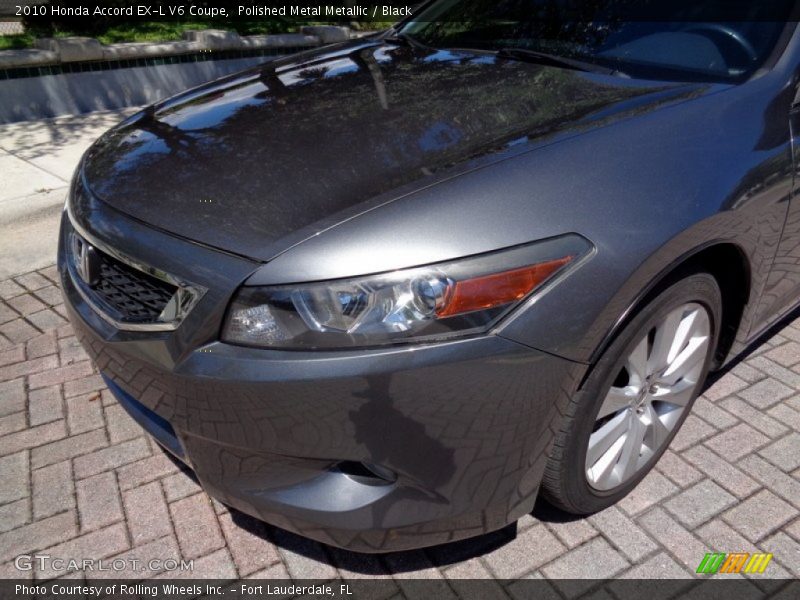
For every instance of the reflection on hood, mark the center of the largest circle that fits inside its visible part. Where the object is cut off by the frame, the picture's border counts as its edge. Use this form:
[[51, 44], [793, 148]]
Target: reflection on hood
[[246, 160]]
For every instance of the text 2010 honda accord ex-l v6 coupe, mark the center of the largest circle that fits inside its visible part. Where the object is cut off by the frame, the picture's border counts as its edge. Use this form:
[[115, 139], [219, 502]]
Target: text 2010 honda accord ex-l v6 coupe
[[384, 293]]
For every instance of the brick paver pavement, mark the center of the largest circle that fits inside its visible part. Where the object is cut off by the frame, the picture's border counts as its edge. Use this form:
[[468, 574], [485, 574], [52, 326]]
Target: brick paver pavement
[[78, 478]]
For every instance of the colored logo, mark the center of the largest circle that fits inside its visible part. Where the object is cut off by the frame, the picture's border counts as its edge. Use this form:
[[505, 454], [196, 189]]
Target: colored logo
[[737, 562]]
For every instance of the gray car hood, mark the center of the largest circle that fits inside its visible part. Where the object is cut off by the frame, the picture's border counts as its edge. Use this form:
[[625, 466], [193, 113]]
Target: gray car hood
[[262, 159]]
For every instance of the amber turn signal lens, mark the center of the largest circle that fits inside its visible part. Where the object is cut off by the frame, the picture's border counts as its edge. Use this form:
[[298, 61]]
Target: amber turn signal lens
[[498, 288]]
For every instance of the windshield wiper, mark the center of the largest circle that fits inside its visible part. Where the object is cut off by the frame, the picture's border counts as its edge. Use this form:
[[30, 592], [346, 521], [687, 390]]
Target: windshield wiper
[[554, 60]]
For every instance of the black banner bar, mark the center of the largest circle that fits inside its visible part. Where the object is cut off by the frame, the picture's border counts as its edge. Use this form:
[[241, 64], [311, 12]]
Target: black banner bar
[[755, 588], [394, 10]]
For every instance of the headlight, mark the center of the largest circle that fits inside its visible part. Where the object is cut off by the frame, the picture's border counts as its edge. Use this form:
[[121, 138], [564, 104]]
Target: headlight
[[424, 304]]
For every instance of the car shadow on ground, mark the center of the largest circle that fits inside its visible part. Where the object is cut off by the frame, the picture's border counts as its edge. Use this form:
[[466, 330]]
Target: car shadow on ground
[[444, 554], [754, 347]]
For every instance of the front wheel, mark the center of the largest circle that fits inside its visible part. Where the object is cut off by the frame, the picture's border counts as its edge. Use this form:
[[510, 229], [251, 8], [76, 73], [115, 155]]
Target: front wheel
[[635, 398]]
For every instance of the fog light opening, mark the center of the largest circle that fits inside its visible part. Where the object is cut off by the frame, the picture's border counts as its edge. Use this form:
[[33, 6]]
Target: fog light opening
[[367, 473]]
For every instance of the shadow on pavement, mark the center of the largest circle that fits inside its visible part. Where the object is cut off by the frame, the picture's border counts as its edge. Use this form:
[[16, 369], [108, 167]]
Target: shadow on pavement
[[47, 138]]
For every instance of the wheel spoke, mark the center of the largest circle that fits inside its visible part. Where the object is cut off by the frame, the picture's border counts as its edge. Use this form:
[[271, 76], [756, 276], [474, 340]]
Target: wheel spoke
[[687, 329], [632, 449], [602, 440], [665, 340], [657, 430], [616, 399], [679, 394], [604, 471], [636, 363], [687, 361]]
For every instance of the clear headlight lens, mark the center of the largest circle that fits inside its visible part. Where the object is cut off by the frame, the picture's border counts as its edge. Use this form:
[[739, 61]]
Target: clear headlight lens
[[423, 304]]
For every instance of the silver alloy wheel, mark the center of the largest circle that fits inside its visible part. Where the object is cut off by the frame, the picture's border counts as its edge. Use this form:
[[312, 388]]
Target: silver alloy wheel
[[650, 393]]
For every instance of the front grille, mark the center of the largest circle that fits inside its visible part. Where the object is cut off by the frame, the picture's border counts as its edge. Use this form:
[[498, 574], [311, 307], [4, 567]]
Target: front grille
[[125, 292], [135, 296]]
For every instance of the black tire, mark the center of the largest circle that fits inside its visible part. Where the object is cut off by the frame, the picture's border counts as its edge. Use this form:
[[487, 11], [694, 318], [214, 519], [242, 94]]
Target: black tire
[[565, 483]]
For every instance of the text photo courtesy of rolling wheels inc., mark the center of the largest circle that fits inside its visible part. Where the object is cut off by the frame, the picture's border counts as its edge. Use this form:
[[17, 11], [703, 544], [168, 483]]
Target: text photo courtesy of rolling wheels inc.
[[453, 299]]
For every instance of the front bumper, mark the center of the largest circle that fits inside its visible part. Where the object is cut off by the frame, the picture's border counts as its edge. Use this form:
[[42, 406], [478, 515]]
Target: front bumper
[[464, 426]]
